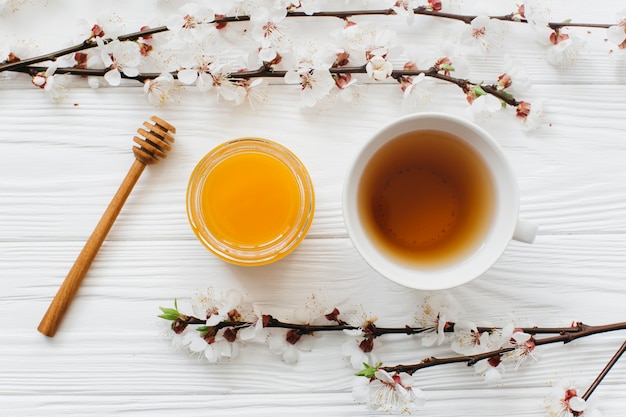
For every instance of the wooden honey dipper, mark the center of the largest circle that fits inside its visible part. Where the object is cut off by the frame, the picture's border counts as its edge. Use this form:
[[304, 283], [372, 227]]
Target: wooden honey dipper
[[153, 146]]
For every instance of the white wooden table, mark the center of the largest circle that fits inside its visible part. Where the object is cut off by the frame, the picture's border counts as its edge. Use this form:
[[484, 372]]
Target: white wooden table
[[61, 163]]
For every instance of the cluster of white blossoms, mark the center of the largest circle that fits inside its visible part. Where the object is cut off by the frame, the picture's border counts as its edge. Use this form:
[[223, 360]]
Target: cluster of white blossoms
[[222, 323], [227, 49]]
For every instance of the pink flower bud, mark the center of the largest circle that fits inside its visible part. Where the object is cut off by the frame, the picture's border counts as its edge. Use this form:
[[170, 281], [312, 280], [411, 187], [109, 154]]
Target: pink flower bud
[[505, 81], [342, 59], [522, 110], [230, 335], [97, 31], [179, 325], [333, 315], [39, 80], [293, 336], [220, 25], [435, 5], [557, 37], [342, 80], [367, 345], [410, 66], [145, 37]]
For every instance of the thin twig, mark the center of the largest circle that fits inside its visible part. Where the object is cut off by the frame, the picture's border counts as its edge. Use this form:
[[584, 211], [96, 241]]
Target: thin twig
[[604, 372]]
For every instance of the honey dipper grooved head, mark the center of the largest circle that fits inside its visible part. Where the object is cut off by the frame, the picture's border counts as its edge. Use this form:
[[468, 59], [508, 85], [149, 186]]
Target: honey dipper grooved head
[[155, 142]]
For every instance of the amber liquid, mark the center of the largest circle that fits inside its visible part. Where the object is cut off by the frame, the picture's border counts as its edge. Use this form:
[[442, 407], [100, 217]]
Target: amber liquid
[[427, 198], [250, 200]]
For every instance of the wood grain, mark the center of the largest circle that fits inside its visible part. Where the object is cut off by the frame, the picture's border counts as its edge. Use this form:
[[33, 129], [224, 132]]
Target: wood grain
[[113, 357]]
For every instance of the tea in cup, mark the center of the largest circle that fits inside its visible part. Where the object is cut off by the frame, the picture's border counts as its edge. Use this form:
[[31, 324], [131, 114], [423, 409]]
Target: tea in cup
[[431, 202]]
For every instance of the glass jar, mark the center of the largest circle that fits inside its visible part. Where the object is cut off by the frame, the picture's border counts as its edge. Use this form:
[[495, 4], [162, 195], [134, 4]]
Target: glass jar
[[250, 201]]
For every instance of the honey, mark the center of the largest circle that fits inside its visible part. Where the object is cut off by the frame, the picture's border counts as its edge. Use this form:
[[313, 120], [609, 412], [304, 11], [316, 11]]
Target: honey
[[250, 201]]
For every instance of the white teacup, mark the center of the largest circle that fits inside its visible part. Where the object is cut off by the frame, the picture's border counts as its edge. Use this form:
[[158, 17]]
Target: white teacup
[[431, 202]]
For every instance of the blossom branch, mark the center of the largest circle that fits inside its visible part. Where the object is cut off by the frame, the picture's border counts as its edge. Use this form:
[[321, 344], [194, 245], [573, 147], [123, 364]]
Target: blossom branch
[[422, 10], [221, 325], [581, 330], [564, 334], [268, 72]]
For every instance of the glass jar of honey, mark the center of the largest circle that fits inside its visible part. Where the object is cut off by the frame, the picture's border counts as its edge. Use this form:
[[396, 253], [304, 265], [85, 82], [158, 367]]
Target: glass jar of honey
[[250, 201]]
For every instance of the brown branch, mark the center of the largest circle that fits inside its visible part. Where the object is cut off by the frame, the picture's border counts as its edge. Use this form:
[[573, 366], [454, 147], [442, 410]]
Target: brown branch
[[563, 334], [344, 15], [582, 330], [268, 72], [604, 372]]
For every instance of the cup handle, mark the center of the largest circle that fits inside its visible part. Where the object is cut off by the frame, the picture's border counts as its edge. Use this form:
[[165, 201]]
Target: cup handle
[[525, 231]]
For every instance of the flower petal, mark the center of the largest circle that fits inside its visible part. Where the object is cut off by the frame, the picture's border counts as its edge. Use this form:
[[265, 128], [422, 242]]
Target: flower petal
[[187, 76], [113, 77]]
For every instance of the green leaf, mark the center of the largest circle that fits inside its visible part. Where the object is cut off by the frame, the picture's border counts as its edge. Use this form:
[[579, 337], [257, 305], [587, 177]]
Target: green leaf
[[447, 67], [203, 329], [169, 313], [478, 91], [369, 370]]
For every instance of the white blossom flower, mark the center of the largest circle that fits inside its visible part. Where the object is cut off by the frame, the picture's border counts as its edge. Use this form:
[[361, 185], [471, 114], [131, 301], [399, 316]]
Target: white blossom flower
[[269, 32], [120, 58], [5, 50], [104, 27], [216, 308], [532, 115], [364, 40], [315, 84], [566, 400], [255, 331], [215, 76], [515, 77], [214, 350], [564, 50], [436, 313], [255, 89], [536, 12], [288, 345], [196, 71], [395, 393], [349, 88], [524, 344], [617, 33], [160, 90], [454, 56], [484, 107], [491, 370], [310, 6], [467, 340], [191, 24], [53, 85], [213, 342], [415, 92], [484, 33], [378, 67], [405, 8], [352, 350], [312, 73]]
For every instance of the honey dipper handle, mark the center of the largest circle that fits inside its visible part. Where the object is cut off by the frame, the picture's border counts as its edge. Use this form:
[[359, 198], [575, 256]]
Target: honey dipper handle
[[61, 302]]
